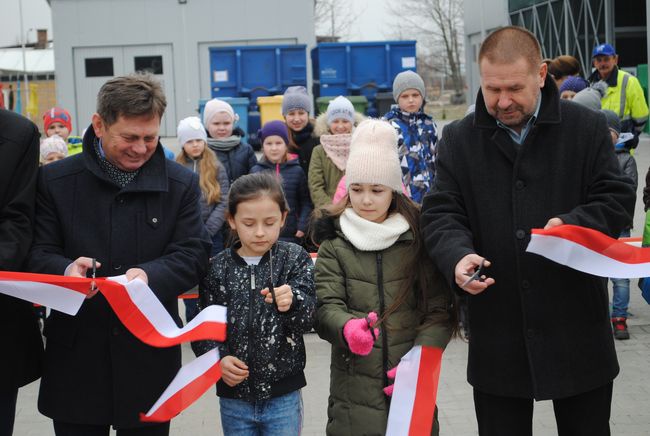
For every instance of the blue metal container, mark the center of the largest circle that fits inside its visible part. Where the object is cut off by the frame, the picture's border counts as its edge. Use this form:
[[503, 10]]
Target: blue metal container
[[239, 105], [360, 68], [256, 71]]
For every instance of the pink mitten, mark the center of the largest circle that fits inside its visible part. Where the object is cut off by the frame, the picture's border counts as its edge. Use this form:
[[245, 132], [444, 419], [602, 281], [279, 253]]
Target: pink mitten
[[360, 334], [391, 373]]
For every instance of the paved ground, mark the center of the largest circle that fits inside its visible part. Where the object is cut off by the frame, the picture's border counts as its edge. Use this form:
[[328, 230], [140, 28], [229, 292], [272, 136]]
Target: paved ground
[[630, 412]]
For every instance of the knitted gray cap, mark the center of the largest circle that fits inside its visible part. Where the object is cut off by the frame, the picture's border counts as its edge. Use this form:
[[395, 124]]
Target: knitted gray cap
[[408, 80], [296, 97], [588, 97]]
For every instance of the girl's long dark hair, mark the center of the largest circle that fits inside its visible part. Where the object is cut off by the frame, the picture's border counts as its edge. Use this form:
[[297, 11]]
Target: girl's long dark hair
[[425, 274]]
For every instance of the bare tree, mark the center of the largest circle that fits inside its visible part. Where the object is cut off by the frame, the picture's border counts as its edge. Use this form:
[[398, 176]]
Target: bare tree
[[438, 27], [334, 18]]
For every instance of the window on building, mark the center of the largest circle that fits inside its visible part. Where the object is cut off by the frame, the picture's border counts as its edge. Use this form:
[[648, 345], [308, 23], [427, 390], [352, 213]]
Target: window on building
[[149, 64], [99, 67]]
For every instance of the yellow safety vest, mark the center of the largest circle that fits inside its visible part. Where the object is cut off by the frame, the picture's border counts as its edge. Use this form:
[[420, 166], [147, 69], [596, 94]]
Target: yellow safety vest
[[626, 99]]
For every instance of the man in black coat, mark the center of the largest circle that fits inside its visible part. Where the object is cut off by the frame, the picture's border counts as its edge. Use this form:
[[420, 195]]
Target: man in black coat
[[122, 203], [19, 334], [524, 160]]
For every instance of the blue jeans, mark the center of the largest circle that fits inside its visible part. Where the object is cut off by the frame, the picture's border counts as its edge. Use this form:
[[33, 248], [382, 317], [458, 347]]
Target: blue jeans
[[279, 416], [620, 291]]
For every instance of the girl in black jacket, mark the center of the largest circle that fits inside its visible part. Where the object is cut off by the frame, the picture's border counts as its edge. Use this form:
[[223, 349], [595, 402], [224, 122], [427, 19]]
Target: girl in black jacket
[[267, 286], [274, 137]]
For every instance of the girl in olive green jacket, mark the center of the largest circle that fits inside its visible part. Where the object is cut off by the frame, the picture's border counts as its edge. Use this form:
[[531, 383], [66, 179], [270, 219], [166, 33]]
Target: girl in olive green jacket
[[376, 292]]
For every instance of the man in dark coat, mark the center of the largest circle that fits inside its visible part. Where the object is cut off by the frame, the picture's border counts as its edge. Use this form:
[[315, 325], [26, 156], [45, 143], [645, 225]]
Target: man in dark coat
[[19, 332], [121, 202], [524, 160]]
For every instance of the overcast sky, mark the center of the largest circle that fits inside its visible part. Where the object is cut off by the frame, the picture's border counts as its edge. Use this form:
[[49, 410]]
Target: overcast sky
[[373, 22]]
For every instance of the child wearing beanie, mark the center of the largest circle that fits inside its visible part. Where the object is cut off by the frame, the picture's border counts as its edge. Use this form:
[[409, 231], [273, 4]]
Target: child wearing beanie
[[417, 134], [213, 181], [57, 121], [379, 295], [627, 163], [328, 159], [296, 108], [275, 148], [225, 139], [571, 86], [591, 97], [52, 149]]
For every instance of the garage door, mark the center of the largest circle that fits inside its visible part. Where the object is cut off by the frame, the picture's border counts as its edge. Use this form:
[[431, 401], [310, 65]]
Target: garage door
[[93, 66]]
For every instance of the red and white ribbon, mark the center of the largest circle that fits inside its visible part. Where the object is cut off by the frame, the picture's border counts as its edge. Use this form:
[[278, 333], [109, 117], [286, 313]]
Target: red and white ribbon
[[590, 251], [145, 317], [191, 381], [413, 403]]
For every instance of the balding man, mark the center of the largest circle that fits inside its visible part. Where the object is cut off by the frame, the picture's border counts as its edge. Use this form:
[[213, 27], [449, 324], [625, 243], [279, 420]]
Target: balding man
[[524, 160]]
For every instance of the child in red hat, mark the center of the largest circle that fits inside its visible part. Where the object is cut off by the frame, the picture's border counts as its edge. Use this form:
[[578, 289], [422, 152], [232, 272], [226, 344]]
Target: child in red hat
[[57, 121]]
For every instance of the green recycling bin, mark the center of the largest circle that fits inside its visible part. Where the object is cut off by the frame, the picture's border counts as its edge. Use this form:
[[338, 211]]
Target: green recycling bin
[[359, 102]]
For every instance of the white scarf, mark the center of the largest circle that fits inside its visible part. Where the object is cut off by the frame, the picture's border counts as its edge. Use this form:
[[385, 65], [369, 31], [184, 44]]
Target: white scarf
[[370, 236]]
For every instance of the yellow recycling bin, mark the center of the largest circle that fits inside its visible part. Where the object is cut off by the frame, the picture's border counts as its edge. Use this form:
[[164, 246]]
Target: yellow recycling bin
[[270, 108]]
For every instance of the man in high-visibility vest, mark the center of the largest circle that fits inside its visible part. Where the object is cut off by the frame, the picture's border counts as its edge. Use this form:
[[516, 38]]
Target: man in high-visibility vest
[[624, 95]]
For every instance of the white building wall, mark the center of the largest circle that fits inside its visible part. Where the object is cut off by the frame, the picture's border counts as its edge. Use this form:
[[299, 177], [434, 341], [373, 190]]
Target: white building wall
[[481, 17], [190, 28]]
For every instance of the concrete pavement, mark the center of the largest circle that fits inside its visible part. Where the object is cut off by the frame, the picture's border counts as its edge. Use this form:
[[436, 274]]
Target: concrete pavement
[[630, 411]]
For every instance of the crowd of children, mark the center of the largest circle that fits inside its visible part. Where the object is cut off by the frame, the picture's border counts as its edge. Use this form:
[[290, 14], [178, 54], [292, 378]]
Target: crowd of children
[[352, 187]]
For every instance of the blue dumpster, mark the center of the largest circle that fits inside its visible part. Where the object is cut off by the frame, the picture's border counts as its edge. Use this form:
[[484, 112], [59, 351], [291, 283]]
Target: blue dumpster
[[256, 71], [239, 105], [360, 68]]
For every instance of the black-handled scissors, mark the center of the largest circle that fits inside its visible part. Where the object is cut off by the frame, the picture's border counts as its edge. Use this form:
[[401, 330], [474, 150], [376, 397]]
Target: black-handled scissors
[[477, 275]]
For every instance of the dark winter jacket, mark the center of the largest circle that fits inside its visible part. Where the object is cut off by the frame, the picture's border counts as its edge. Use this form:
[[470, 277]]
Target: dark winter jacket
[[268, 341], [213, 215], [349, 284], [304, 141], [628, 166], [542, 330], [21, 339], [417, 138], [296, 191], [237, 161], [97, 372]]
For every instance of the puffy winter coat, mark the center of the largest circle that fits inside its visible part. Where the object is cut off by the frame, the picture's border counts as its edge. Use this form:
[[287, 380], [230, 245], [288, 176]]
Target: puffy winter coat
[[349, 284], [294, 184], [268, 341], [417, 135]]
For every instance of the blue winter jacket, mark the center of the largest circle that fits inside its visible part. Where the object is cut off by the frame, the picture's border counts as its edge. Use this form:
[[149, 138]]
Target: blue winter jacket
[[294, 184], [418, 135]]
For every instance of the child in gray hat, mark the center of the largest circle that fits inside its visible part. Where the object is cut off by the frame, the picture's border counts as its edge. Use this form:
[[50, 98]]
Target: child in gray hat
[[417, 134], [296, 110]]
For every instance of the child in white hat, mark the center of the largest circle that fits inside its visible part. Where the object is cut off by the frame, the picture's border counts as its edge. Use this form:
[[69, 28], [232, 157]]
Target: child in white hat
[[328, 159], [225, 139], [378, 293], [213, 181], [52, 149]]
